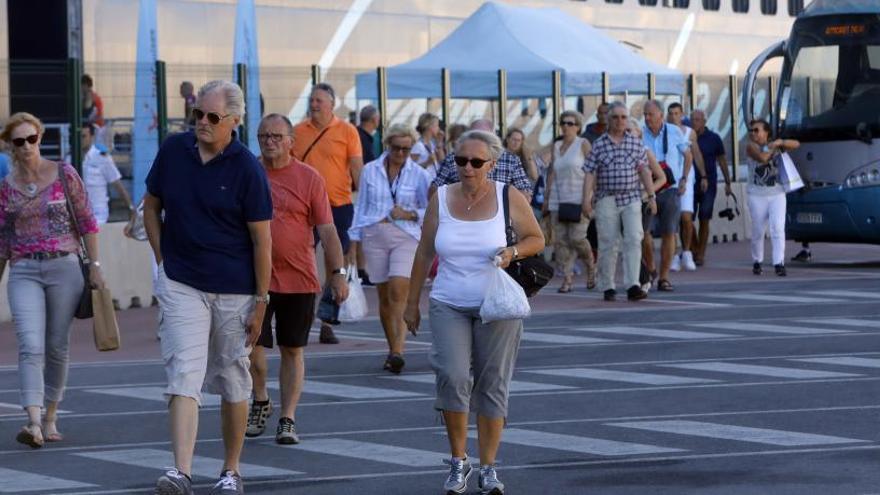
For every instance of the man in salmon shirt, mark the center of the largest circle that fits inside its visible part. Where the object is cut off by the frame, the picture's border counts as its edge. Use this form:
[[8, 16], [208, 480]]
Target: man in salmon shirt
[[300, 206], [333, 147]]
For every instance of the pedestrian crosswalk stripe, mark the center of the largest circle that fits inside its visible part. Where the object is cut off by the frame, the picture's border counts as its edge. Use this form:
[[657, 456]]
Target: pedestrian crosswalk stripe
[[573, 443], [764, 327], [846, 293], [150, 393], [844, 361], [552, 338], [515, 385], [654, 332], [206, 467], [774, 298], [377, 452], [742, 433], [622, 376], [754, 369], [349, 391], [847, 322], [22, 481]]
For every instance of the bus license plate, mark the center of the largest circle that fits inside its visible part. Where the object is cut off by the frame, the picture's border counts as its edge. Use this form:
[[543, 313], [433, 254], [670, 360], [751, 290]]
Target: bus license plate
[[809, 218]]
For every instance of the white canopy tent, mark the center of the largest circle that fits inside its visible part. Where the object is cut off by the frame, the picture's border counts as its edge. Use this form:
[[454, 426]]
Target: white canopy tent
[[529, 43]]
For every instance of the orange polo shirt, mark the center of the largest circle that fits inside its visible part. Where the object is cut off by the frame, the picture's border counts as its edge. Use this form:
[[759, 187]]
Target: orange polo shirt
[[330, 155]]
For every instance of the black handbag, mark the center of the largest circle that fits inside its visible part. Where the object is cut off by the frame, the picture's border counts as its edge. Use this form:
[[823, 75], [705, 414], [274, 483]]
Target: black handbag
[[530, 273], [570, 212], [84, 309]]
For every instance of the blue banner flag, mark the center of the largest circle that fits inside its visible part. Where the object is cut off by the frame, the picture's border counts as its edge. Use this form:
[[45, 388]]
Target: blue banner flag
[[145, 133], [245, 52]]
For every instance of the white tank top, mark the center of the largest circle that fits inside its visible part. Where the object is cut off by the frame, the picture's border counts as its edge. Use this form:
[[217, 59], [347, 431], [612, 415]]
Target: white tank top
[[466, 249], [568, 169]]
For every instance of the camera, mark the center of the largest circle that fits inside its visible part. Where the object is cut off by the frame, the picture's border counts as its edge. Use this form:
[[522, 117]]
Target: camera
[[727, 213]]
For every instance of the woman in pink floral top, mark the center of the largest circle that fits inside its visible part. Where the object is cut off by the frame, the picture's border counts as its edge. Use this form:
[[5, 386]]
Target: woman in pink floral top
[[38, 239]]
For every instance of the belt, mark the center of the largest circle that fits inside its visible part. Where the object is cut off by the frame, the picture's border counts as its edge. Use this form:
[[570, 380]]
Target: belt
[[45, 255]]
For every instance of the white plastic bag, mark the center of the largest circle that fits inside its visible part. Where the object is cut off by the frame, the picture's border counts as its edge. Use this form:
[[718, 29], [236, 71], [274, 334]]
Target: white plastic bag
[[788, 174], [354, 308], [504, 300]]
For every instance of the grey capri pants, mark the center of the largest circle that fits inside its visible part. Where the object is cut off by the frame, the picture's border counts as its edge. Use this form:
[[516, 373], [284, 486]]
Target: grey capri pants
[[460, 343]]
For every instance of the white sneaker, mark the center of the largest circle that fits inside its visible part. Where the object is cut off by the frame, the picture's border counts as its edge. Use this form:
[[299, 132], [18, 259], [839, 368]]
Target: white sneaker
[[687, 260], [676, 263]]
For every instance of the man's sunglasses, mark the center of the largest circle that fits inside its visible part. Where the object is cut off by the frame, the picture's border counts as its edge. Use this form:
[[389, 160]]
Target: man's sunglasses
[[275, 138], [214, 118], [462, 161], [33, 138]]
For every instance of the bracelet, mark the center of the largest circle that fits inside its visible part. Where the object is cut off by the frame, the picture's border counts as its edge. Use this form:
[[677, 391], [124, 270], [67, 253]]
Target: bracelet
[[95, 263]]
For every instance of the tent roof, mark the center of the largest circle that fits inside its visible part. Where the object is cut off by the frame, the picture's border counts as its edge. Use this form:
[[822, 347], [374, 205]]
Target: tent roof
[[831, 7], [529, 43]]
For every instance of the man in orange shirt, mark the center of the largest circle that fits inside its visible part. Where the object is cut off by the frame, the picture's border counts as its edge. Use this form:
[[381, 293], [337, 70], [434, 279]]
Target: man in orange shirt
[[300, 205], [333, 147]]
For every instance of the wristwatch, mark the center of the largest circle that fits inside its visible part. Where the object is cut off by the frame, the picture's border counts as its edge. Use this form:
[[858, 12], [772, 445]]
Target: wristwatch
[[95, 263], [340, 271], [515, 253], [262, 299]]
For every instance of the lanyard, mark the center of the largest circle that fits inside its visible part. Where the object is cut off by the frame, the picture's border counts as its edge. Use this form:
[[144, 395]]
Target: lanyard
[[393, 185]]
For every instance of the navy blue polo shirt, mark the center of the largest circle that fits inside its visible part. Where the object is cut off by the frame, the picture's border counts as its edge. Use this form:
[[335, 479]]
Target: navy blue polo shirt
[[711, 147], [206, 243]]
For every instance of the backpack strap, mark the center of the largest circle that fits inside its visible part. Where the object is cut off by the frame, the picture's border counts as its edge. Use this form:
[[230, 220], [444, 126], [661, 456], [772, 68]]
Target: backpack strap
[[508, 225]]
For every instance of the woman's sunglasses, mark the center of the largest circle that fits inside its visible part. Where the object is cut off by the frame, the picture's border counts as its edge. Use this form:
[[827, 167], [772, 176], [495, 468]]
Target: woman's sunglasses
[[33, 138], [569, 123], [462, 161], [214, 118]]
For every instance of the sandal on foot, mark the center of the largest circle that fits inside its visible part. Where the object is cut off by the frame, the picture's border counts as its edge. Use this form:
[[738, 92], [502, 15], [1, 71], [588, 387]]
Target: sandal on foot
[[51, 433], [665, 285], [31, 435]]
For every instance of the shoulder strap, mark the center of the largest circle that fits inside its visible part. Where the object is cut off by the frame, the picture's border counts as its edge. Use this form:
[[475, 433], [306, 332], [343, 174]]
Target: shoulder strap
[[309, 149], [505, 203], [665, 141], [70, 211]]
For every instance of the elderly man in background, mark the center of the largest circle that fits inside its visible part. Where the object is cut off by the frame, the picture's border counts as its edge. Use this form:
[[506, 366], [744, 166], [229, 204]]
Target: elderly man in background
[[671, 149], [712, 148], [333, 147], [214, 250], [616, 164]]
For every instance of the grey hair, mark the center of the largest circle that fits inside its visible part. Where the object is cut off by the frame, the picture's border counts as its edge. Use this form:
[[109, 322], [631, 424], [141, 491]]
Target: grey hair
[[489, 139], [368, 112], [617, 104], [400, 130], [231, 92], [653, 103], [325, 88]]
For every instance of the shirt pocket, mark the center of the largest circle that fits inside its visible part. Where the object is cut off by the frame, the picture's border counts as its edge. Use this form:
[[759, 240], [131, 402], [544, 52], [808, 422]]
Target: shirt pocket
[[406, 196]]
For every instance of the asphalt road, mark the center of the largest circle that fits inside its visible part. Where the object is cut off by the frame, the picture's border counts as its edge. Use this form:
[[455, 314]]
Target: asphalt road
[[733, 384]]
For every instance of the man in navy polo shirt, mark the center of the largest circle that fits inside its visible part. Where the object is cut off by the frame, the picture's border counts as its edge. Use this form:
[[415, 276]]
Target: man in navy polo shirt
[[213, 247]]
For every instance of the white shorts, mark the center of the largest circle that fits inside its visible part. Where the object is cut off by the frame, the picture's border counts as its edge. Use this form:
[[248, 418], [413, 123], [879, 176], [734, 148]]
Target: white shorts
[[687, 199], [202, 338]]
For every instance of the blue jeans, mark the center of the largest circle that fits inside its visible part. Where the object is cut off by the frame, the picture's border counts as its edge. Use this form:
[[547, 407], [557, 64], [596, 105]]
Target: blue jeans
[[43, 295]]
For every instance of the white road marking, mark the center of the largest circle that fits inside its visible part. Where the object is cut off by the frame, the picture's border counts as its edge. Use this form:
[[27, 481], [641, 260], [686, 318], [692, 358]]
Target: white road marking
[[206, 467], [22, 481], [552, 338], [350, 391], [655, 332], [579, 444], [515, 385], [622, 376], [150, 393], [846, 293], [759, 370], [844, 361], [847, 322], [766, 327], [376, 452], [753, 296], [764, 436]]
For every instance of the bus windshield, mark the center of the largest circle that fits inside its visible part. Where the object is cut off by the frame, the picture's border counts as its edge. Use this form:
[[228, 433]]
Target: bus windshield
[[831, 86]]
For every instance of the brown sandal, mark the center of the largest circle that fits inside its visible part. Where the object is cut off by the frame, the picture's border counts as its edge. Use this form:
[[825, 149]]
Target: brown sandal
[[665, 285], [31, 435], [54, 436]]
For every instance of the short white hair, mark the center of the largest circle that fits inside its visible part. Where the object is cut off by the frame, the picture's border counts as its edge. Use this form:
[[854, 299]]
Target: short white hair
[[232, 94], [490, 140]]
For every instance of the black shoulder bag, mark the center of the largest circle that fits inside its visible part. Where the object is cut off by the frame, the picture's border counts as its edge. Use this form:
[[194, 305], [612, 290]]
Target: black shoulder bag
[[530, 273], [84, 309]]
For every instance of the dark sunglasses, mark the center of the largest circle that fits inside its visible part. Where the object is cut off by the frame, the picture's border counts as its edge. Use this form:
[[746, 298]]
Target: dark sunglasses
[[569, 123], [214, 118], [462, 161], [267, 137], [398, 149], [31, 139]]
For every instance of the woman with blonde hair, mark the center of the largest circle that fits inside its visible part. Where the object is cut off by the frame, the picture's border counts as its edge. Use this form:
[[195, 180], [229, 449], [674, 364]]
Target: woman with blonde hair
[[564, 195], [429, 150], [515, 143], [43, 211], [391, 202]]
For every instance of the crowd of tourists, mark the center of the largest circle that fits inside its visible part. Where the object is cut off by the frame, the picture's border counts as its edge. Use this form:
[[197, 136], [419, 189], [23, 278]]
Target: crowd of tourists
[[234, 238]]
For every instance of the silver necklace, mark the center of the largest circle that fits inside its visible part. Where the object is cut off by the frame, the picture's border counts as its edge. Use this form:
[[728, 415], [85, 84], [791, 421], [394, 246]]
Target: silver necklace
[[485, 190], [31, 188]]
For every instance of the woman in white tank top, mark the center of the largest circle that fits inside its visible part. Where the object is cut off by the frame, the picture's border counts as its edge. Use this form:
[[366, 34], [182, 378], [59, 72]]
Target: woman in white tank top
[[464, 226]]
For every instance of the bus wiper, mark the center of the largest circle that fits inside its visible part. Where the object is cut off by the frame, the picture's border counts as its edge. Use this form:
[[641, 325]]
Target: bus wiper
[[863, 133]]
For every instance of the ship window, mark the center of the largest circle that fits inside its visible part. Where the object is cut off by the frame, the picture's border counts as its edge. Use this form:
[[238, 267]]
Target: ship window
[[741, 6], [795, 7], [613, 1], [713, 5], [648, 3], [768, 7], [681, 4]]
